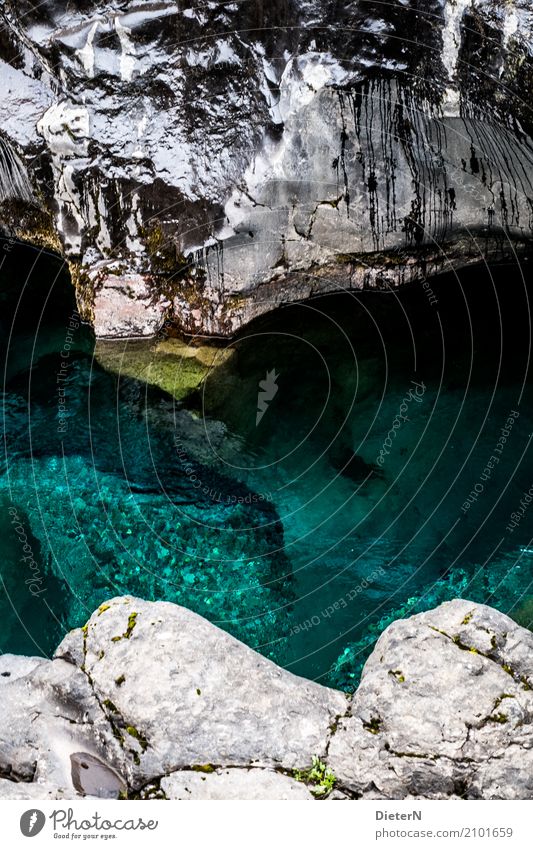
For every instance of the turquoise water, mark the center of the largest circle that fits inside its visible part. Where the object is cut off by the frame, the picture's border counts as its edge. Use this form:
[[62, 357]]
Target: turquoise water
[[366, 491]]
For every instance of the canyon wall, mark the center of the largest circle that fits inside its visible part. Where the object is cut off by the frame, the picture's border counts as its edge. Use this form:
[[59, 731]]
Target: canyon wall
[[204, 164]]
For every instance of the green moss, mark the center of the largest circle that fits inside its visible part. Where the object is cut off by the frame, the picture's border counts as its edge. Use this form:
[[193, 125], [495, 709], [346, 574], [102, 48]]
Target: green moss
[[132, 621], [501, 718], [207, 768], [164, 258], [132, 731], [170, 364], [107, 703], [198, 691], [500, 699], [467, 618], [120, 680], [319, 777], [103, 608], [374, 726], [398, 674]]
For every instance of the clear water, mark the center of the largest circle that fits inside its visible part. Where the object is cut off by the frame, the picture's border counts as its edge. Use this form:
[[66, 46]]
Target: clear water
[[294, 533]]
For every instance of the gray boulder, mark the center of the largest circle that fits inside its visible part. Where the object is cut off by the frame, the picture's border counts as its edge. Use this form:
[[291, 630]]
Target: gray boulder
[[179, 691], [444, 709], [151, 699], [248, 784], [49, 712]]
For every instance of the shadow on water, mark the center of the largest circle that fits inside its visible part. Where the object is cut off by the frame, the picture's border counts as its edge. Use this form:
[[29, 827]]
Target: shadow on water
[[329, 474]]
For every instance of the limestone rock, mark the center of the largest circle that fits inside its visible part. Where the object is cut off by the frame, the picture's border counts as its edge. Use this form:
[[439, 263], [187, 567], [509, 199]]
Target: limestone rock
[[25, 790], [124, 305], [238, 156], [150, 695], [180, 692], [444, 709], [247, 784], [48, 713]]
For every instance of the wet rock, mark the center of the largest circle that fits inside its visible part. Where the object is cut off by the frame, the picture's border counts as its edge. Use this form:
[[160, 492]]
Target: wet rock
[[353, 466]]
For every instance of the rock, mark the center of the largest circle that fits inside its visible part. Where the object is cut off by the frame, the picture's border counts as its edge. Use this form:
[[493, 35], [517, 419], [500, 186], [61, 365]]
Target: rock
[[218, 162], [444, 709], [246, 784], [125, 305], [13, 666], [24, 790], [151, 698], [351, 465], [92, 777], [48, 714], [234, 706]]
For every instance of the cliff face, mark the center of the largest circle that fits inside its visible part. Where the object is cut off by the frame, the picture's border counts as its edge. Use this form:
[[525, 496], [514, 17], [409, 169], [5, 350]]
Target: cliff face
[[205, 164]]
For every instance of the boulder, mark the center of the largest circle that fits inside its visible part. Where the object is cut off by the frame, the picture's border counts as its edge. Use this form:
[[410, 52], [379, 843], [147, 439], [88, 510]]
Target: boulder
[[179, 692], [150, 699], [244, 784], [444, 709]]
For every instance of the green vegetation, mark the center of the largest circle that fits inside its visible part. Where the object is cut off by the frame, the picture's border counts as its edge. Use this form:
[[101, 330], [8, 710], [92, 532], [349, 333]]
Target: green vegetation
[[319, 777]]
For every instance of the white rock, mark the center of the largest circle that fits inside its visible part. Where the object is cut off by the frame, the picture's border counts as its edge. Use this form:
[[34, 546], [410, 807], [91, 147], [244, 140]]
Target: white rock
[[243, 784], [444, 708], [155, 693], [125, 306], [191, 694]]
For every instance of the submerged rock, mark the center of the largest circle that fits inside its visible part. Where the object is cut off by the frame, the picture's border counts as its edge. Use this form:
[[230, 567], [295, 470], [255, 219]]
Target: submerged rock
[[351, 465], [158, 698]]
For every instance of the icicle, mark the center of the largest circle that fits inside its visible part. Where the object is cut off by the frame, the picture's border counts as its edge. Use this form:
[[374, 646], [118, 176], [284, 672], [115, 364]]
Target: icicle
[[14, 180]]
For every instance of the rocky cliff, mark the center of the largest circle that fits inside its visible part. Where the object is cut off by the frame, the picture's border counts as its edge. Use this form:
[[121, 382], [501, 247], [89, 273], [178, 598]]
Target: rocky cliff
[[149, 700], [206, 163]]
